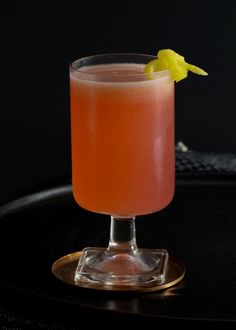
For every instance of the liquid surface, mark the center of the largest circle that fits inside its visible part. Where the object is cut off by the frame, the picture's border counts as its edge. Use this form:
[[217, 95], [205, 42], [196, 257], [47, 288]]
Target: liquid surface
[[111, 69], [122, 72]]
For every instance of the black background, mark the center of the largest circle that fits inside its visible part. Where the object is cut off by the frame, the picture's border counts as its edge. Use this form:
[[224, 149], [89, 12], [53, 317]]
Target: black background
[[40, 41]]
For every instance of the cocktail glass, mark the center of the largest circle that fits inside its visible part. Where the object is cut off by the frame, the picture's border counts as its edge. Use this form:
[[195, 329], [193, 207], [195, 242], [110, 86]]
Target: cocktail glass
[[122, 129]]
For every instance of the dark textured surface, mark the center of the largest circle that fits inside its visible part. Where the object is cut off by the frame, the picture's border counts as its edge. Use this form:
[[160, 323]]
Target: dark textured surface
[[202, 162], [198, 227]]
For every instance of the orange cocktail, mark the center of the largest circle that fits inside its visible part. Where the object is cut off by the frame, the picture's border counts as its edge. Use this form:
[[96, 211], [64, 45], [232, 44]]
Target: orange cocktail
[[122, 128], [122, 139]]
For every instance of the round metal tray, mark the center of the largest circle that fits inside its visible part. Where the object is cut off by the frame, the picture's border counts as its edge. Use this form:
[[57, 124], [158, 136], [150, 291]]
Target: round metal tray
[[198, 228]]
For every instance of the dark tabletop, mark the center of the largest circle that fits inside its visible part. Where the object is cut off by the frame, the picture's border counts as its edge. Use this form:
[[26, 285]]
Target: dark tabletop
[[198, 228]]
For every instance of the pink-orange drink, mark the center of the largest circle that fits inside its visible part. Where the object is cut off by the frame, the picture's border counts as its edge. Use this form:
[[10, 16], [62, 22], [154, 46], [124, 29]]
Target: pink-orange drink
[[122, 125]]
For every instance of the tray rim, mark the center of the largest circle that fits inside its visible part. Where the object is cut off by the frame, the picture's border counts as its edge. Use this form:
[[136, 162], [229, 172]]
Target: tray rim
[[50, 191]]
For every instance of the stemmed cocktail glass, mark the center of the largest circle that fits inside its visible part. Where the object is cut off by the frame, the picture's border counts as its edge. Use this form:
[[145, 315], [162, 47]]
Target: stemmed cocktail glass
[[122, 128]]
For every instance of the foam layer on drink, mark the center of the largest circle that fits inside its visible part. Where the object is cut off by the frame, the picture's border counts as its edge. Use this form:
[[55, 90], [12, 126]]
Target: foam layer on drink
[[118, 72]]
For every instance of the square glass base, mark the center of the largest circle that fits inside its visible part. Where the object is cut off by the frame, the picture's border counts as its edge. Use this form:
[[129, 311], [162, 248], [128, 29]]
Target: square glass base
[[142, 268]]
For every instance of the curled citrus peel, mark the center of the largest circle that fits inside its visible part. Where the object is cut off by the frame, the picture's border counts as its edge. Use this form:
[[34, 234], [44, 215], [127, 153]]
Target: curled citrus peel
[[168, 59]]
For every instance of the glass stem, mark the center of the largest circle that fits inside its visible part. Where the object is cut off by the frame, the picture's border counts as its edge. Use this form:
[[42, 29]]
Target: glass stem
[[122, 235]]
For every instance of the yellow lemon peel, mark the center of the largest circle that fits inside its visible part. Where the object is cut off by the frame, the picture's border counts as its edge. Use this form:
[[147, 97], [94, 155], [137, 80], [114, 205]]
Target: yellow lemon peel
[[167, 59]]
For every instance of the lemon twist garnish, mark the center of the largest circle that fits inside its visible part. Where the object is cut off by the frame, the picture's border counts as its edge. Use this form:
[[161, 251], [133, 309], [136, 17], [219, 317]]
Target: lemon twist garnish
[[168, 59]]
